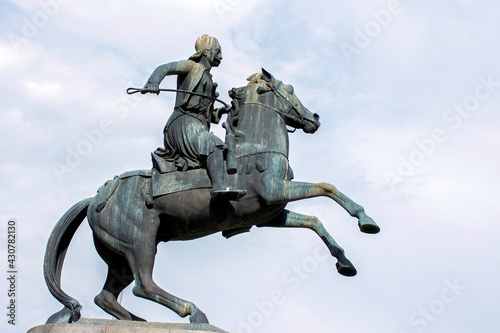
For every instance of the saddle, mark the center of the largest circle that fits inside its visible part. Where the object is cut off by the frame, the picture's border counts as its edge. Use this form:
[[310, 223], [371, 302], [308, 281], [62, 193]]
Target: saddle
[[167, 179]]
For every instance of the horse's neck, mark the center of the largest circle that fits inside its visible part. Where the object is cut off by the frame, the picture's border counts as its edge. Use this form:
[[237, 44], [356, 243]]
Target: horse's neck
[[264, 130]]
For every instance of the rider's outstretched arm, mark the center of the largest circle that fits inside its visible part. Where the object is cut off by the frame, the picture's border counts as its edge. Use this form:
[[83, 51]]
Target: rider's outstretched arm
[[172, 68]]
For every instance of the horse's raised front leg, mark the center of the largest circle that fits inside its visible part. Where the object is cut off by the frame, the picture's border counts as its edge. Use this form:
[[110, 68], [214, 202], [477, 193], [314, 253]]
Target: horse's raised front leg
[[294, 220], [287, 191]]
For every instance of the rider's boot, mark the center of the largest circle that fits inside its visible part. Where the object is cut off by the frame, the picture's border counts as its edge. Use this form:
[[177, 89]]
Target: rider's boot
[[221, 189]]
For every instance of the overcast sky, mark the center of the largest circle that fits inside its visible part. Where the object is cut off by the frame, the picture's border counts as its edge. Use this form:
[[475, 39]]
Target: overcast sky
[[408, 93]]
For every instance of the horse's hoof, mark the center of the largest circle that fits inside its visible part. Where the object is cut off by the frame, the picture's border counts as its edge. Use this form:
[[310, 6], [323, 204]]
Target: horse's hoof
[[198, 317], [367, 225], [66, 315], [346, 268]]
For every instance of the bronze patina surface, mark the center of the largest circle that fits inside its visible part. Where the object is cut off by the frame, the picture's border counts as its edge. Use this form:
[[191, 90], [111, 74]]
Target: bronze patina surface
[[198, 186]]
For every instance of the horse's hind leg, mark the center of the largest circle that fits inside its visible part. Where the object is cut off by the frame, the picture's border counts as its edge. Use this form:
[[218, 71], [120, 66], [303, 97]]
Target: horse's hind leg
[[294, 220], [141, 261], [118, 278], [116, 281]]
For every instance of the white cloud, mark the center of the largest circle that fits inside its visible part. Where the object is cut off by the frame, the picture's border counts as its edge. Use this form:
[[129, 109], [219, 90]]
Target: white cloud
[[46, 89]]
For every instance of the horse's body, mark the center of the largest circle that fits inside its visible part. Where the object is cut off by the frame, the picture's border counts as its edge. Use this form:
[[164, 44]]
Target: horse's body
[[127, 230]]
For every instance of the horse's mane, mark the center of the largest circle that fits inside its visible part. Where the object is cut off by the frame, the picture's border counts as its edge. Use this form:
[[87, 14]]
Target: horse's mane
[[240, 94]]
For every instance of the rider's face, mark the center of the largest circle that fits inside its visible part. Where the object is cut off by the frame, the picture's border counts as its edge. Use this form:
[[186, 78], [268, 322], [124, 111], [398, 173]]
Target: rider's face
[[214, 56]]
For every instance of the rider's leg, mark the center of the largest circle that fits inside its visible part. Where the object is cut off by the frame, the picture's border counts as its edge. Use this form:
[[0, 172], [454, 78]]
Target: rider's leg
[[221, 189]]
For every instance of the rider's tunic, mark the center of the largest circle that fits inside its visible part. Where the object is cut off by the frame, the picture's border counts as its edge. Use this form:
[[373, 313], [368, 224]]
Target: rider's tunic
[[187, 139]]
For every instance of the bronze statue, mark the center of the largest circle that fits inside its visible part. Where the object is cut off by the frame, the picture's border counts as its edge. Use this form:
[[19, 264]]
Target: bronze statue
[[132, 213]]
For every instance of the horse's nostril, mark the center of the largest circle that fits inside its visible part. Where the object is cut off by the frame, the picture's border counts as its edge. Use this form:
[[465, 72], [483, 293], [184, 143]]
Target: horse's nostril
[[316, 116]]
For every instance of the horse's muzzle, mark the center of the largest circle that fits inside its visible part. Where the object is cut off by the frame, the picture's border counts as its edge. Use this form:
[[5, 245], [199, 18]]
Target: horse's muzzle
[[311, 126]]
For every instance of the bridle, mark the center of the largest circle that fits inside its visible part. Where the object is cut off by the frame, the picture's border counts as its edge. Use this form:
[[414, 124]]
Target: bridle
[[286, 114]]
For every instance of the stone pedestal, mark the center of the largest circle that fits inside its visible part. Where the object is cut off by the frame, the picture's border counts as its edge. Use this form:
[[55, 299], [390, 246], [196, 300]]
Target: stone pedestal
[[123, 326]]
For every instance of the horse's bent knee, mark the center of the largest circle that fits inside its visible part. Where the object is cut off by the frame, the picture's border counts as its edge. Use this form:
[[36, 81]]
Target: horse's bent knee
[[314, 223]]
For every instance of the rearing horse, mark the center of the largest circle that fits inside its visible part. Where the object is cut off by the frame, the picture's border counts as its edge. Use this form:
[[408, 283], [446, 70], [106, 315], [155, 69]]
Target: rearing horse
[[127, 229]]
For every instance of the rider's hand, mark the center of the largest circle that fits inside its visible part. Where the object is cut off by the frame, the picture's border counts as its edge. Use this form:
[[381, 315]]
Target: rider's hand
[[228, 108], [153, 88], [223, 110]]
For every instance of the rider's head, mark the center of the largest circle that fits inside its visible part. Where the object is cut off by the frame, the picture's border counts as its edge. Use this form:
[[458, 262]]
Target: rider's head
[[209, 47]]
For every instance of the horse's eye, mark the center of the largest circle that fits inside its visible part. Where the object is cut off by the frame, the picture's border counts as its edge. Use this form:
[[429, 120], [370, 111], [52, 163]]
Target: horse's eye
[[289, 88]]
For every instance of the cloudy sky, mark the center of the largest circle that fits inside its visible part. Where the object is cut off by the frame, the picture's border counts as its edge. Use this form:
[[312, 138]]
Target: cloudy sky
[[408, 93]]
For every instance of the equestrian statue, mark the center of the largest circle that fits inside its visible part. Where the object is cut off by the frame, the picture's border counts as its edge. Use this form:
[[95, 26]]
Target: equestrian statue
[[198, 186]]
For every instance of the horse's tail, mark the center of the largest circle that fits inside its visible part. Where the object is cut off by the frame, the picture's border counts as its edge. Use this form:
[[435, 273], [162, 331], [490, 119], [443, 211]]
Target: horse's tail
[[57, 247]]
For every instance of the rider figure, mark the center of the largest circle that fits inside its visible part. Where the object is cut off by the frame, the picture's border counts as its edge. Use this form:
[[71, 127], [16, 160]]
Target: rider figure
[[188, 142]]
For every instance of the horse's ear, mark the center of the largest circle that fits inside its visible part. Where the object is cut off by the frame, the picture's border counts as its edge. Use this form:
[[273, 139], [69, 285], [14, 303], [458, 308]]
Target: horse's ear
[[266, 75]]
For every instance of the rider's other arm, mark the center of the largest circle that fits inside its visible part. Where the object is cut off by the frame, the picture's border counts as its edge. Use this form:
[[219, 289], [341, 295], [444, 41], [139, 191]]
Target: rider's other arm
[[172, 68], [217, 113]]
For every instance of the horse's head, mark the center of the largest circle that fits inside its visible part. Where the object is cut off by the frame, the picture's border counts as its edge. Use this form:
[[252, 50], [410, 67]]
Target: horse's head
[[273, 94]]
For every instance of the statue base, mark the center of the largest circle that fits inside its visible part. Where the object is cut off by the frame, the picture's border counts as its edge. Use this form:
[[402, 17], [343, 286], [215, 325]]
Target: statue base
[[86, 325]]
